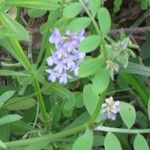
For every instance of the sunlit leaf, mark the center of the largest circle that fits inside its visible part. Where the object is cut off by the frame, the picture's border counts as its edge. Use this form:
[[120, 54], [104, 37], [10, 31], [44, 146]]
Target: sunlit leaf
[[111, 142], [140, 143], [128, 114], [84, 141]]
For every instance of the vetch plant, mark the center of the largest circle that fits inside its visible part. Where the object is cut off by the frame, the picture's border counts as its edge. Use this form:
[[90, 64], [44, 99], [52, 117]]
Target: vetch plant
[[62, 96]]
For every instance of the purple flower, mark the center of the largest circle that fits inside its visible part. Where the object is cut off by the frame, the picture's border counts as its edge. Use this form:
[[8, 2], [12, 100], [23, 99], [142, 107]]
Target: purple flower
[[72, 40], [64, 62], [110, 109], [55, 37]]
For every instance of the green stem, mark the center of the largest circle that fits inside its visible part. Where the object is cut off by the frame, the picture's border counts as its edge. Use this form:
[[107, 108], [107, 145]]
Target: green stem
[[98, 30], [52, 137], [97, 110], [121, 130], [45, 116], [52, 18]]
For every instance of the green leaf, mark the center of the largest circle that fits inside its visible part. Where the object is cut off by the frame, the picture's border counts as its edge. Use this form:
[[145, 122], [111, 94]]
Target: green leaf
[[56, 112], [36, 13], [16, 28], [72, 10], [37, 146], [137, 86], [128, 114], [6, 33], [8, 47], [20, 127], [101, 80], [79, 99], [90, 66], [94, 5], [90, 98], [137, 69], [84, 141], [2, 145], [148, 109], [6, 96], [2, 5], [104, 21], [140, 143], [117, 5], [78, 24], [145, 47], [144, 4], [5, 132], [90, 43], [80, 120], [111, 142], [35, 4], [9, 119], [20, 103], [12, 73]]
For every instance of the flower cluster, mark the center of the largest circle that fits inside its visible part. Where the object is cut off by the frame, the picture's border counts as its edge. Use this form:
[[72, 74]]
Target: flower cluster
[[110, 109], [64, 62], [118, 54]]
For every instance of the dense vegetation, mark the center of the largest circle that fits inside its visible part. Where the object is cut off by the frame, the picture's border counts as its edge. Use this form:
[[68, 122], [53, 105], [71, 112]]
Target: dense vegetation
[[74, 74]]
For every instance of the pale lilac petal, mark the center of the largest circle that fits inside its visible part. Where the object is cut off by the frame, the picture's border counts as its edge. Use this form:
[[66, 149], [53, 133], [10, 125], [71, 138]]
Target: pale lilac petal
[[50, 61], [63, 79], [110, 109], [76, 71], [55, 36], [53, 77]]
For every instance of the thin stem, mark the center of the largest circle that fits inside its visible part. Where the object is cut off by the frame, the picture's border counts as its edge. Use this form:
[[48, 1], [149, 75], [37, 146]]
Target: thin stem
[[37, 113], [52, 137], [121, 130], [41, 103], [52, 18], [97, 110], [98, 30]]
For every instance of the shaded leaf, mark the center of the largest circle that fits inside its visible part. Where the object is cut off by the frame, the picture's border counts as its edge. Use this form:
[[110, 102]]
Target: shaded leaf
[[148, 109], [20, 103]]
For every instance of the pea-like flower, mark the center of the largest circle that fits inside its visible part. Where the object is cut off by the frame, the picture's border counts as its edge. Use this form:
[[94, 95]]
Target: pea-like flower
[[110, 109], [64, 62]]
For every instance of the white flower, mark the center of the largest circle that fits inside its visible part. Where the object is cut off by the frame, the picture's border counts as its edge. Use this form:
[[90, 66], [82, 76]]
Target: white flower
[[110, 109]]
